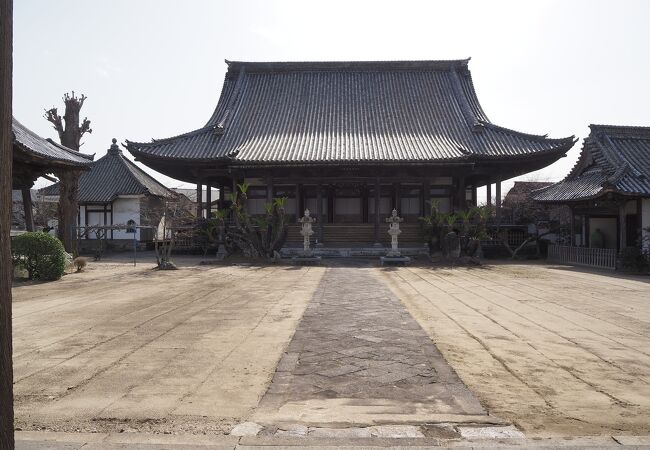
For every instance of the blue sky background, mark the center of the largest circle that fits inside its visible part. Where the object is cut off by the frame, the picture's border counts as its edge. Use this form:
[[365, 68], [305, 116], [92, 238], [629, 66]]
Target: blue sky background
[[154, 68]]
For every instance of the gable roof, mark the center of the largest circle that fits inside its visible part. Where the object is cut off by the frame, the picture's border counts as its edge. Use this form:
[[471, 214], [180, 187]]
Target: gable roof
[[111, 176], [521, 190], [291, 113], [613, 159], [36, 147]]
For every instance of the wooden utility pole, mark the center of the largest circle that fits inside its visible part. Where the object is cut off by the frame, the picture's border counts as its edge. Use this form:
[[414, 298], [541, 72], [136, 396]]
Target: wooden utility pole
[[6, 267]]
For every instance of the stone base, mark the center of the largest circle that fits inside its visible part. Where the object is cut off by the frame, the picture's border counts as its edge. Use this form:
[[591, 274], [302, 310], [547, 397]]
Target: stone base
[[306, 260], [395, 260]]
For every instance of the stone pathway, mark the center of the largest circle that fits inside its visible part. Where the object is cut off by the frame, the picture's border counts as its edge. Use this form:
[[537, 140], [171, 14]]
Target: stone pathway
[[358, 357]]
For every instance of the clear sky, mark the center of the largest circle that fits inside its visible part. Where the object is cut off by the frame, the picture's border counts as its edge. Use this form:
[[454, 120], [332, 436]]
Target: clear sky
[[154, 68]]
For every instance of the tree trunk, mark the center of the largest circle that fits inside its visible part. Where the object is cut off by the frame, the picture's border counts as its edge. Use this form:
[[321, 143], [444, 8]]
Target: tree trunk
[[68, 210], [6, 267]]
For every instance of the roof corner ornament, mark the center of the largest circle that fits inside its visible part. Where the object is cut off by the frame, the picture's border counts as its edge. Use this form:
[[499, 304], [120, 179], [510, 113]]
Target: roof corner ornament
[[114, 149]]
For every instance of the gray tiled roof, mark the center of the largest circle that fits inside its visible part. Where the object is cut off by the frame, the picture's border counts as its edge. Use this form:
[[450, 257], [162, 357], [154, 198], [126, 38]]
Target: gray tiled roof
[[29, 142], [329, 112], [613, 159], [111, 176]]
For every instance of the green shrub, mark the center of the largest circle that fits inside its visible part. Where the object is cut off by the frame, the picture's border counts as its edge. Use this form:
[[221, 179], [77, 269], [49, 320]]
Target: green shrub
[[42, 255]]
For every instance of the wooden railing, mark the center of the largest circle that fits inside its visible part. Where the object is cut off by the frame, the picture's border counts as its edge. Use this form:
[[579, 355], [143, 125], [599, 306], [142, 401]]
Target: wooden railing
[[604, 258]]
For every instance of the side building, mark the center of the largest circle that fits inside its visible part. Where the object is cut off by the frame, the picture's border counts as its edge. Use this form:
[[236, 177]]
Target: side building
[[117, 192], [608, 189], [350, 141]]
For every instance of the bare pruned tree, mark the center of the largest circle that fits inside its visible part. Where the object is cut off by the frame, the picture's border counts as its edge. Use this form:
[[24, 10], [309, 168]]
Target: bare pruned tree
[[70, 131]]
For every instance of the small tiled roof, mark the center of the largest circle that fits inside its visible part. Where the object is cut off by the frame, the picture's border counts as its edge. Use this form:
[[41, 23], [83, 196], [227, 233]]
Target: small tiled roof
[[521, 190], [366, 112], [35, 146], [111, 176], [613, 159]]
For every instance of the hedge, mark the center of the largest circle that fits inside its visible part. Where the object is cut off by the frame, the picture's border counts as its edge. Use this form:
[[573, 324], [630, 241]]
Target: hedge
[[41, 254]]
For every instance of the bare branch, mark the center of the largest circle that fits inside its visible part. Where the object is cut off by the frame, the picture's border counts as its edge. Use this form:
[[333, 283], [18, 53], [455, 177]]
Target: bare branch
[[52, 116]]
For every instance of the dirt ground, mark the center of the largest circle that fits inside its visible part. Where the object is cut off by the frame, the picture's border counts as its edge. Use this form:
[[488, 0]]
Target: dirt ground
[[557, 351]]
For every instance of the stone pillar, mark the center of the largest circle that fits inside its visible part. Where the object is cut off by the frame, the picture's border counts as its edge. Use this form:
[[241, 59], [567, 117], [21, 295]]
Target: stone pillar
[[208, 200], [319, 212], [377, 202], [27, 205], [199, 200]]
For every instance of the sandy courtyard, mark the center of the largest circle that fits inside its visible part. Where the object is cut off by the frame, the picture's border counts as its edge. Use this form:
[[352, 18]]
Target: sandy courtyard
[[556, 351]]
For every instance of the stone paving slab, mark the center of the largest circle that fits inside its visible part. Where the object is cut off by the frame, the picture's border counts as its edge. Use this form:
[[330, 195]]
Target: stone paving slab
[[359, 355]]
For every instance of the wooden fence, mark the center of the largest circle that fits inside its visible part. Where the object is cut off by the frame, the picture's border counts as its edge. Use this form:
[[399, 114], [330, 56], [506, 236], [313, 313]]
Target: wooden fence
[[604, 258]]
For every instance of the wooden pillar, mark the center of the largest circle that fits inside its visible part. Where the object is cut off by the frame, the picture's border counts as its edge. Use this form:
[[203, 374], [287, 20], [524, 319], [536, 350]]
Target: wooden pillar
[[397, 202], [622, 223], [27, 205], [364, 203], [423, 199], [498, 200], [300, 201], [330, 204], [377, 204], [269, 189], [319, 211], [572, 228], [459, 203], [222, 195], [208, 200], [474, 196], [199, 200], [488, 188]]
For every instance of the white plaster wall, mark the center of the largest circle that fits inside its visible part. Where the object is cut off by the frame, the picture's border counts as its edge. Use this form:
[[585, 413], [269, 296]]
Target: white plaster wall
[[125, 209], [645, 222], [82, 215]]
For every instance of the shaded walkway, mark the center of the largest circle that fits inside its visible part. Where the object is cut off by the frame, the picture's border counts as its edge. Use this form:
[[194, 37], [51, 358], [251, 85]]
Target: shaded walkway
[[359, 357]]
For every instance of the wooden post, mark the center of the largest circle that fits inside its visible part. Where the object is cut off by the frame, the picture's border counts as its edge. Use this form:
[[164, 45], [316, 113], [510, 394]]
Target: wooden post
[[459, 197], [488, 188], [319, 212], [27, 206], [572, 232], [377, 205], [423, 199], [498, 200], [6, 266], [208, 200], [222, 195], [364, 203], [269, 189], [398, 198], [330, 204], [199, 200], [474, 196], [299, 210], [622, 223]]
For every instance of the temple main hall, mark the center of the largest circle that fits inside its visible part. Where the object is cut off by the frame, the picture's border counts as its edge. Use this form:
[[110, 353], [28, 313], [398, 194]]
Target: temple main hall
[[350, 141]]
